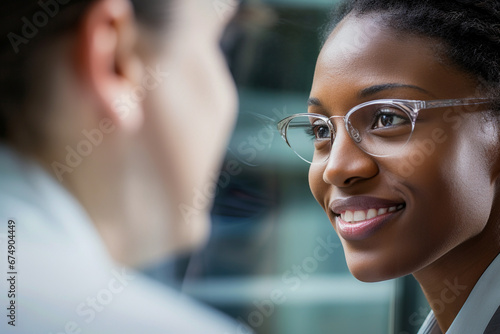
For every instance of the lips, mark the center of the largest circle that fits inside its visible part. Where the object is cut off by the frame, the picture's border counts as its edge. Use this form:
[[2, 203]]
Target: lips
[[360, 217]]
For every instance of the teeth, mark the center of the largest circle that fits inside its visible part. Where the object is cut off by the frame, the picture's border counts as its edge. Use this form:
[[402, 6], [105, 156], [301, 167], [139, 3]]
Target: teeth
[[348, 216], [382, 211], [372, 213], [360, 215]]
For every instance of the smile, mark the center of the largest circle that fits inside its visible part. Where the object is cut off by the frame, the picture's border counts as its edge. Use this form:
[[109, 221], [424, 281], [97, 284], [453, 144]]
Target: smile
[[350, 216], [359, 217]]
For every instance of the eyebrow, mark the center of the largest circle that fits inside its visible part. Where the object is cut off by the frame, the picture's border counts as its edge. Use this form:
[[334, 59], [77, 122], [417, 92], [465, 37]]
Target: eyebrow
[[388, 86], [313, 101]]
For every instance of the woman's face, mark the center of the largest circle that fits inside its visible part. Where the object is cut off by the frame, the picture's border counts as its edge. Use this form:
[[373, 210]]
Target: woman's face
[[440, 186]]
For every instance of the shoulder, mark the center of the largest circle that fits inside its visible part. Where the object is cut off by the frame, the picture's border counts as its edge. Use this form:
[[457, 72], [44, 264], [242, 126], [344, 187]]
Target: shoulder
[[151, 308], [67, 283]]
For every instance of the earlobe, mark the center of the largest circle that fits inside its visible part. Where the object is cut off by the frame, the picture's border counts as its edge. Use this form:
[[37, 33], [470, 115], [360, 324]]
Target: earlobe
[[107, 61]]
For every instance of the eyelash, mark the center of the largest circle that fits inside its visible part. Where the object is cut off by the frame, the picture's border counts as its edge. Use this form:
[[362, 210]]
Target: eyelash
[[310, 130]]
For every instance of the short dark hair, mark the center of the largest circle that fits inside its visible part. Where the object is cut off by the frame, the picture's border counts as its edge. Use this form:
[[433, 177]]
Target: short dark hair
[[28, 25], [469, 31]]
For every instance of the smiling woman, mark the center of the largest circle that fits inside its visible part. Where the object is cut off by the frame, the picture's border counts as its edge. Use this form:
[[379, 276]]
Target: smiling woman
[[402, 136]]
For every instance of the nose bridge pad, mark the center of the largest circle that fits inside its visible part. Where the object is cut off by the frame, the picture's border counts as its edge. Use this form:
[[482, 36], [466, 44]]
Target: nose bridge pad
[[354, 133]]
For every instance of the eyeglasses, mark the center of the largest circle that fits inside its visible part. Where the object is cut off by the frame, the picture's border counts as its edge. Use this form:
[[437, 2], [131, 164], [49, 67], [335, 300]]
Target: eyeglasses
[[379, 128]]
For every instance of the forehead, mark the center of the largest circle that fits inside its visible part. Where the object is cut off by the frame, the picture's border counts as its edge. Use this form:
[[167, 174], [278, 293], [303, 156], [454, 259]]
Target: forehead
[[362, 52]]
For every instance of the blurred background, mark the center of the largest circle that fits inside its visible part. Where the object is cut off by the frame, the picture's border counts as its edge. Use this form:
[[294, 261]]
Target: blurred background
[[274, 262]]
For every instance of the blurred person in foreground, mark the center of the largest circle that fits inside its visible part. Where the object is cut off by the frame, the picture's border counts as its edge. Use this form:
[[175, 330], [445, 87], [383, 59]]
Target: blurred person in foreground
[[114, 115]]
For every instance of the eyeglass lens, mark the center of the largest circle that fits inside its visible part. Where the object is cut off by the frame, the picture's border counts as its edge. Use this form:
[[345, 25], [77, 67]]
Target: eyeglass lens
[[377, 129]]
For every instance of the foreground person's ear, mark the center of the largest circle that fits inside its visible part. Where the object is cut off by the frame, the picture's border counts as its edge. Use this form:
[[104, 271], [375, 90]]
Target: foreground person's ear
[[107, 61]]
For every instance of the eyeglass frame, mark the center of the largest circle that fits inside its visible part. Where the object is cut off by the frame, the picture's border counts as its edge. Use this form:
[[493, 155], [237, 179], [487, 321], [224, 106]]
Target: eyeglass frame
[[410, 107]]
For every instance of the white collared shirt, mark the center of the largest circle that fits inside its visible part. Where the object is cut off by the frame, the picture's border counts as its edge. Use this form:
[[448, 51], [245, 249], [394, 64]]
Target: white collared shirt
[[65, 281], [478, 309]]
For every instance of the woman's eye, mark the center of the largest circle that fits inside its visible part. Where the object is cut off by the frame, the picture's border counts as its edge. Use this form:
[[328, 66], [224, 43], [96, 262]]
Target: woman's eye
[[389, 117], [321, 131], [318, 130]]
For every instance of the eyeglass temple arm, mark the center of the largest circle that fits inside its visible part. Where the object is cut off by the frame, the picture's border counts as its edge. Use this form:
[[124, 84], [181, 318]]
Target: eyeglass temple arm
[[452, 103]]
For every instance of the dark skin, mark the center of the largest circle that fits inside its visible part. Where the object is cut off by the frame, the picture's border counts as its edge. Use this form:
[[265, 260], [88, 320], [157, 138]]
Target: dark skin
[[448, 232]]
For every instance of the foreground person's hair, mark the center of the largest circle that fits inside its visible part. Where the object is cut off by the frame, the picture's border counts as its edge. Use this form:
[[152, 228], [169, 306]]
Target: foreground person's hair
[[30, 26]]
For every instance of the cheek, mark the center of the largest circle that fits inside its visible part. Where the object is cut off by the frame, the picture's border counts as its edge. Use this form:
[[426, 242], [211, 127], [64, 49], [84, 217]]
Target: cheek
[[466, 179], [450, 194], [318, 187]]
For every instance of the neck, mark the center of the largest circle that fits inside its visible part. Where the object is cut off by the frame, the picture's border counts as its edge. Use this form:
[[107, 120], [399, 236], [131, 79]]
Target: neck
[[121, 196], [448, 282]]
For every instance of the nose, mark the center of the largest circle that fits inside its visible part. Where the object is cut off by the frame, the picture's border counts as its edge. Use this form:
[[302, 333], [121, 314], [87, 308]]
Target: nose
[[347, 163]]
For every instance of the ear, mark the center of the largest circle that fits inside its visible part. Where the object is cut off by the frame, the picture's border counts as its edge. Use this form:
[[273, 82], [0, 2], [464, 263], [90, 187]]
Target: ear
[[494, 150], [108, 62]]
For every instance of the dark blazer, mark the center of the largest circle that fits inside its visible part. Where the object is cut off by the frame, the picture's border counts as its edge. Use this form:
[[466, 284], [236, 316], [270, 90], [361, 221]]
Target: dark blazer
[[494, 325]]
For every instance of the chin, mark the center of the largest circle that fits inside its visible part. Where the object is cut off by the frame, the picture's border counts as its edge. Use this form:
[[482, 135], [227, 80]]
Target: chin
[[369, 269], [193, 236], [369, 276]]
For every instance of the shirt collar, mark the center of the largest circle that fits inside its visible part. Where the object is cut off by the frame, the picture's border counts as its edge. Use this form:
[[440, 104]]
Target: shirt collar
[[481, 304], [485, 296], [430, 325]]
